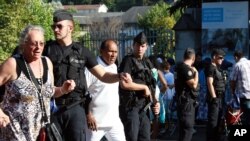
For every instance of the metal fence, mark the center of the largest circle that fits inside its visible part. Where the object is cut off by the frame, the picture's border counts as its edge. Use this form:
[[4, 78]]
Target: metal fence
[[159, 41]]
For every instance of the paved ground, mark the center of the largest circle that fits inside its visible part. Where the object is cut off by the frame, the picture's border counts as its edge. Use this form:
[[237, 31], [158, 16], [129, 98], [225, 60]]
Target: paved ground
[[199, 135]]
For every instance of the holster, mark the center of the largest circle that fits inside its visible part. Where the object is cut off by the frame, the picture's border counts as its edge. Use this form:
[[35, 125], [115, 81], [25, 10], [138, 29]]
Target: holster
[[128, 100]]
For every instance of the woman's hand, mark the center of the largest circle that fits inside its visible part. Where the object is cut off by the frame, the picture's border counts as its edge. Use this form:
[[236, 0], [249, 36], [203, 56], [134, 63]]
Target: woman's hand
[[4, 119], [68, 86]]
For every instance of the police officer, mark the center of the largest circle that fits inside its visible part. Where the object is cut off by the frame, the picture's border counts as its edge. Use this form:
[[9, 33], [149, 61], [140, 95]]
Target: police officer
[[186, 85], [216, 87], [69, 60], [135, 96]]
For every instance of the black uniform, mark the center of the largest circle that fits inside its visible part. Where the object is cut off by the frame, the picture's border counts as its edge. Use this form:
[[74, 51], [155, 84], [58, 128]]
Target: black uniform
[[186, 101], [69, 63], [133, 113], [215, 105]]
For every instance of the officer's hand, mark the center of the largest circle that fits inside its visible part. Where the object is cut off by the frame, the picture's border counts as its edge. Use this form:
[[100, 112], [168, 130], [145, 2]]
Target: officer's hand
[[68, 86], [91, 122], [4, 119], [126, 77], [156, 108], [147, 91]]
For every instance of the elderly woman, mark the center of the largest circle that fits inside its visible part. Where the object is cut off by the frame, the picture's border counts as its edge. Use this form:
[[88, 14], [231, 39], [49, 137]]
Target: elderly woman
[[21, 109]]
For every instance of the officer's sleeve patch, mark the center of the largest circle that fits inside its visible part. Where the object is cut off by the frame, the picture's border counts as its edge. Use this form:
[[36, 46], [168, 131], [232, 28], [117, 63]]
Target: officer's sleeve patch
[[190, 73]]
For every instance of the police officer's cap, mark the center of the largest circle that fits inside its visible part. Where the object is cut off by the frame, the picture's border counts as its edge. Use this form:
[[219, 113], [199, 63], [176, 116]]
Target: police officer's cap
[[217, 52], [61, 15], [140, 38]]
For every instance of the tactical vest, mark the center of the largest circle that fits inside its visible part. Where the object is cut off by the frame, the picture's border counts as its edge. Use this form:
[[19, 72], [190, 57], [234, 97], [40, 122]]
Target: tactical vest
[[70, 65], [141, 73], [219, 81]]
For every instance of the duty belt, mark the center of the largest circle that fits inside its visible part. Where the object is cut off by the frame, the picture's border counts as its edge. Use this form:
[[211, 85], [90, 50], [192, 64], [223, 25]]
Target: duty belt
[[67, 101], [219, 93]]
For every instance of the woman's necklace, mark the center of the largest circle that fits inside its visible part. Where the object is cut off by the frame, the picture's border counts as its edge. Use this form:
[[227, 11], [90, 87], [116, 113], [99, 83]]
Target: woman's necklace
[[41, 79]]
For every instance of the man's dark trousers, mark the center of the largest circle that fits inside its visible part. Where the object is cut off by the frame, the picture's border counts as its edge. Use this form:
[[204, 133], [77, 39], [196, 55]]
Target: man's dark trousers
[[186, 115]]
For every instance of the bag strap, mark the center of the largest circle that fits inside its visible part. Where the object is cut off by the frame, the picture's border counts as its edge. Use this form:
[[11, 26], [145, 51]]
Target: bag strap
[[44, 114]]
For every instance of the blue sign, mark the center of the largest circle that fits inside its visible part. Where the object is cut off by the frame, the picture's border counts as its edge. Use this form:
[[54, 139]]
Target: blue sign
[[212, 14]]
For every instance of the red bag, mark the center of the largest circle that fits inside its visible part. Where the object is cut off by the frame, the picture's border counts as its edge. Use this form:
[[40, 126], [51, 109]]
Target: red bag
[[49, 133], [42, 135]]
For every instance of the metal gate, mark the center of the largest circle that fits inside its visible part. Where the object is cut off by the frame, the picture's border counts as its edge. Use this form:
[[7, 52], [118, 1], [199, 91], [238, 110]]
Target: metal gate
[[159, 41]]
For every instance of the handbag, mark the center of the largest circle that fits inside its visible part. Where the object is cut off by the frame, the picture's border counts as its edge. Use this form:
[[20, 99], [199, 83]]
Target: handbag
[[49, 132]]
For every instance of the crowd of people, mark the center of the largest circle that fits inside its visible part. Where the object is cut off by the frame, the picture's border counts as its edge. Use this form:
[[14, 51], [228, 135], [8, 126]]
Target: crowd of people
[[95, 97]]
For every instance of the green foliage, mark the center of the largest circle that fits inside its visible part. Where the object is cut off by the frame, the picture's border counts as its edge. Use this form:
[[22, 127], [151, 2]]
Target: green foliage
[[110, 4], [76, 2], [181, 5], [15, 16], [157, 17]]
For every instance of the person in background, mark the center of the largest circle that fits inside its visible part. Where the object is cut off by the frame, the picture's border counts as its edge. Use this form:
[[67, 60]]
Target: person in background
[[202, 98], [70, 59], [198, 61], [20, 112], [172, 63], [186, 87], [161, 87], [103, 112], [216, 91], [240, 84], [137, 97], [169, 95]]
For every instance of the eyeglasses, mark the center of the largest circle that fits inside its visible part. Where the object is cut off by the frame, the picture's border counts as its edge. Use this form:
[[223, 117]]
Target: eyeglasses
[[36, 43], [59, 26]]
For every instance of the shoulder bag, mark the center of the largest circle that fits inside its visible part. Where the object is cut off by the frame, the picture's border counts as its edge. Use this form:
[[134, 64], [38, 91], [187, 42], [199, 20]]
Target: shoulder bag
[[49, 132]]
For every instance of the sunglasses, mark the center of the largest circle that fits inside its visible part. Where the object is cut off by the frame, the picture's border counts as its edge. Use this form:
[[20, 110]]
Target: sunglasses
[[59, 26], [220, 57]]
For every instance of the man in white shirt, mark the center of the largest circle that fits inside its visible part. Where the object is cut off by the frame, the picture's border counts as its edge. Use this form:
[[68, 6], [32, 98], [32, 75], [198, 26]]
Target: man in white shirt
[[103, 110], [240, 84]]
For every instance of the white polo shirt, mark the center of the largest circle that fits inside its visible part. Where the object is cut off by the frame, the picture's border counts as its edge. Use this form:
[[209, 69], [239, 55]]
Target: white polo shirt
[[105, 97]]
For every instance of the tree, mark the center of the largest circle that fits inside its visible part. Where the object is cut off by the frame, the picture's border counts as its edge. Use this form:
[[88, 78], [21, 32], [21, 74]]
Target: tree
[[159, 19], [17, 14], [34, 12], [181, 5]]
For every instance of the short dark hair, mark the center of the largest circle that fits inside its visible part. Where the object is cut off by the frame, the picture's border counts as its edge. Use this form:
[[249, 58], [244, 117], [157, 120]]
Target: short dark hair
[[61, 15], [238, 53], [217, 52], [189, 52]]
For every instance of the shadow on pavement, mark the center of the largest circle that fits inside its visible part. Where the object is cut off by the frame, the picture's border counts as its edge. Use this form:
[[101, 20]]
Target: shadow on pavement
[[172, 133]]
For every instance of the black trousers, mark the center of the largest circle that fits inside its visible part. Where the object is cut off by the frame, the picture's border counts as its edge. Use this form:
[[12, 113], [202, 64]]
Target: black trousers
[[245, 106], [136, 124], [186, 117], [215, 119], [72, 123]]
